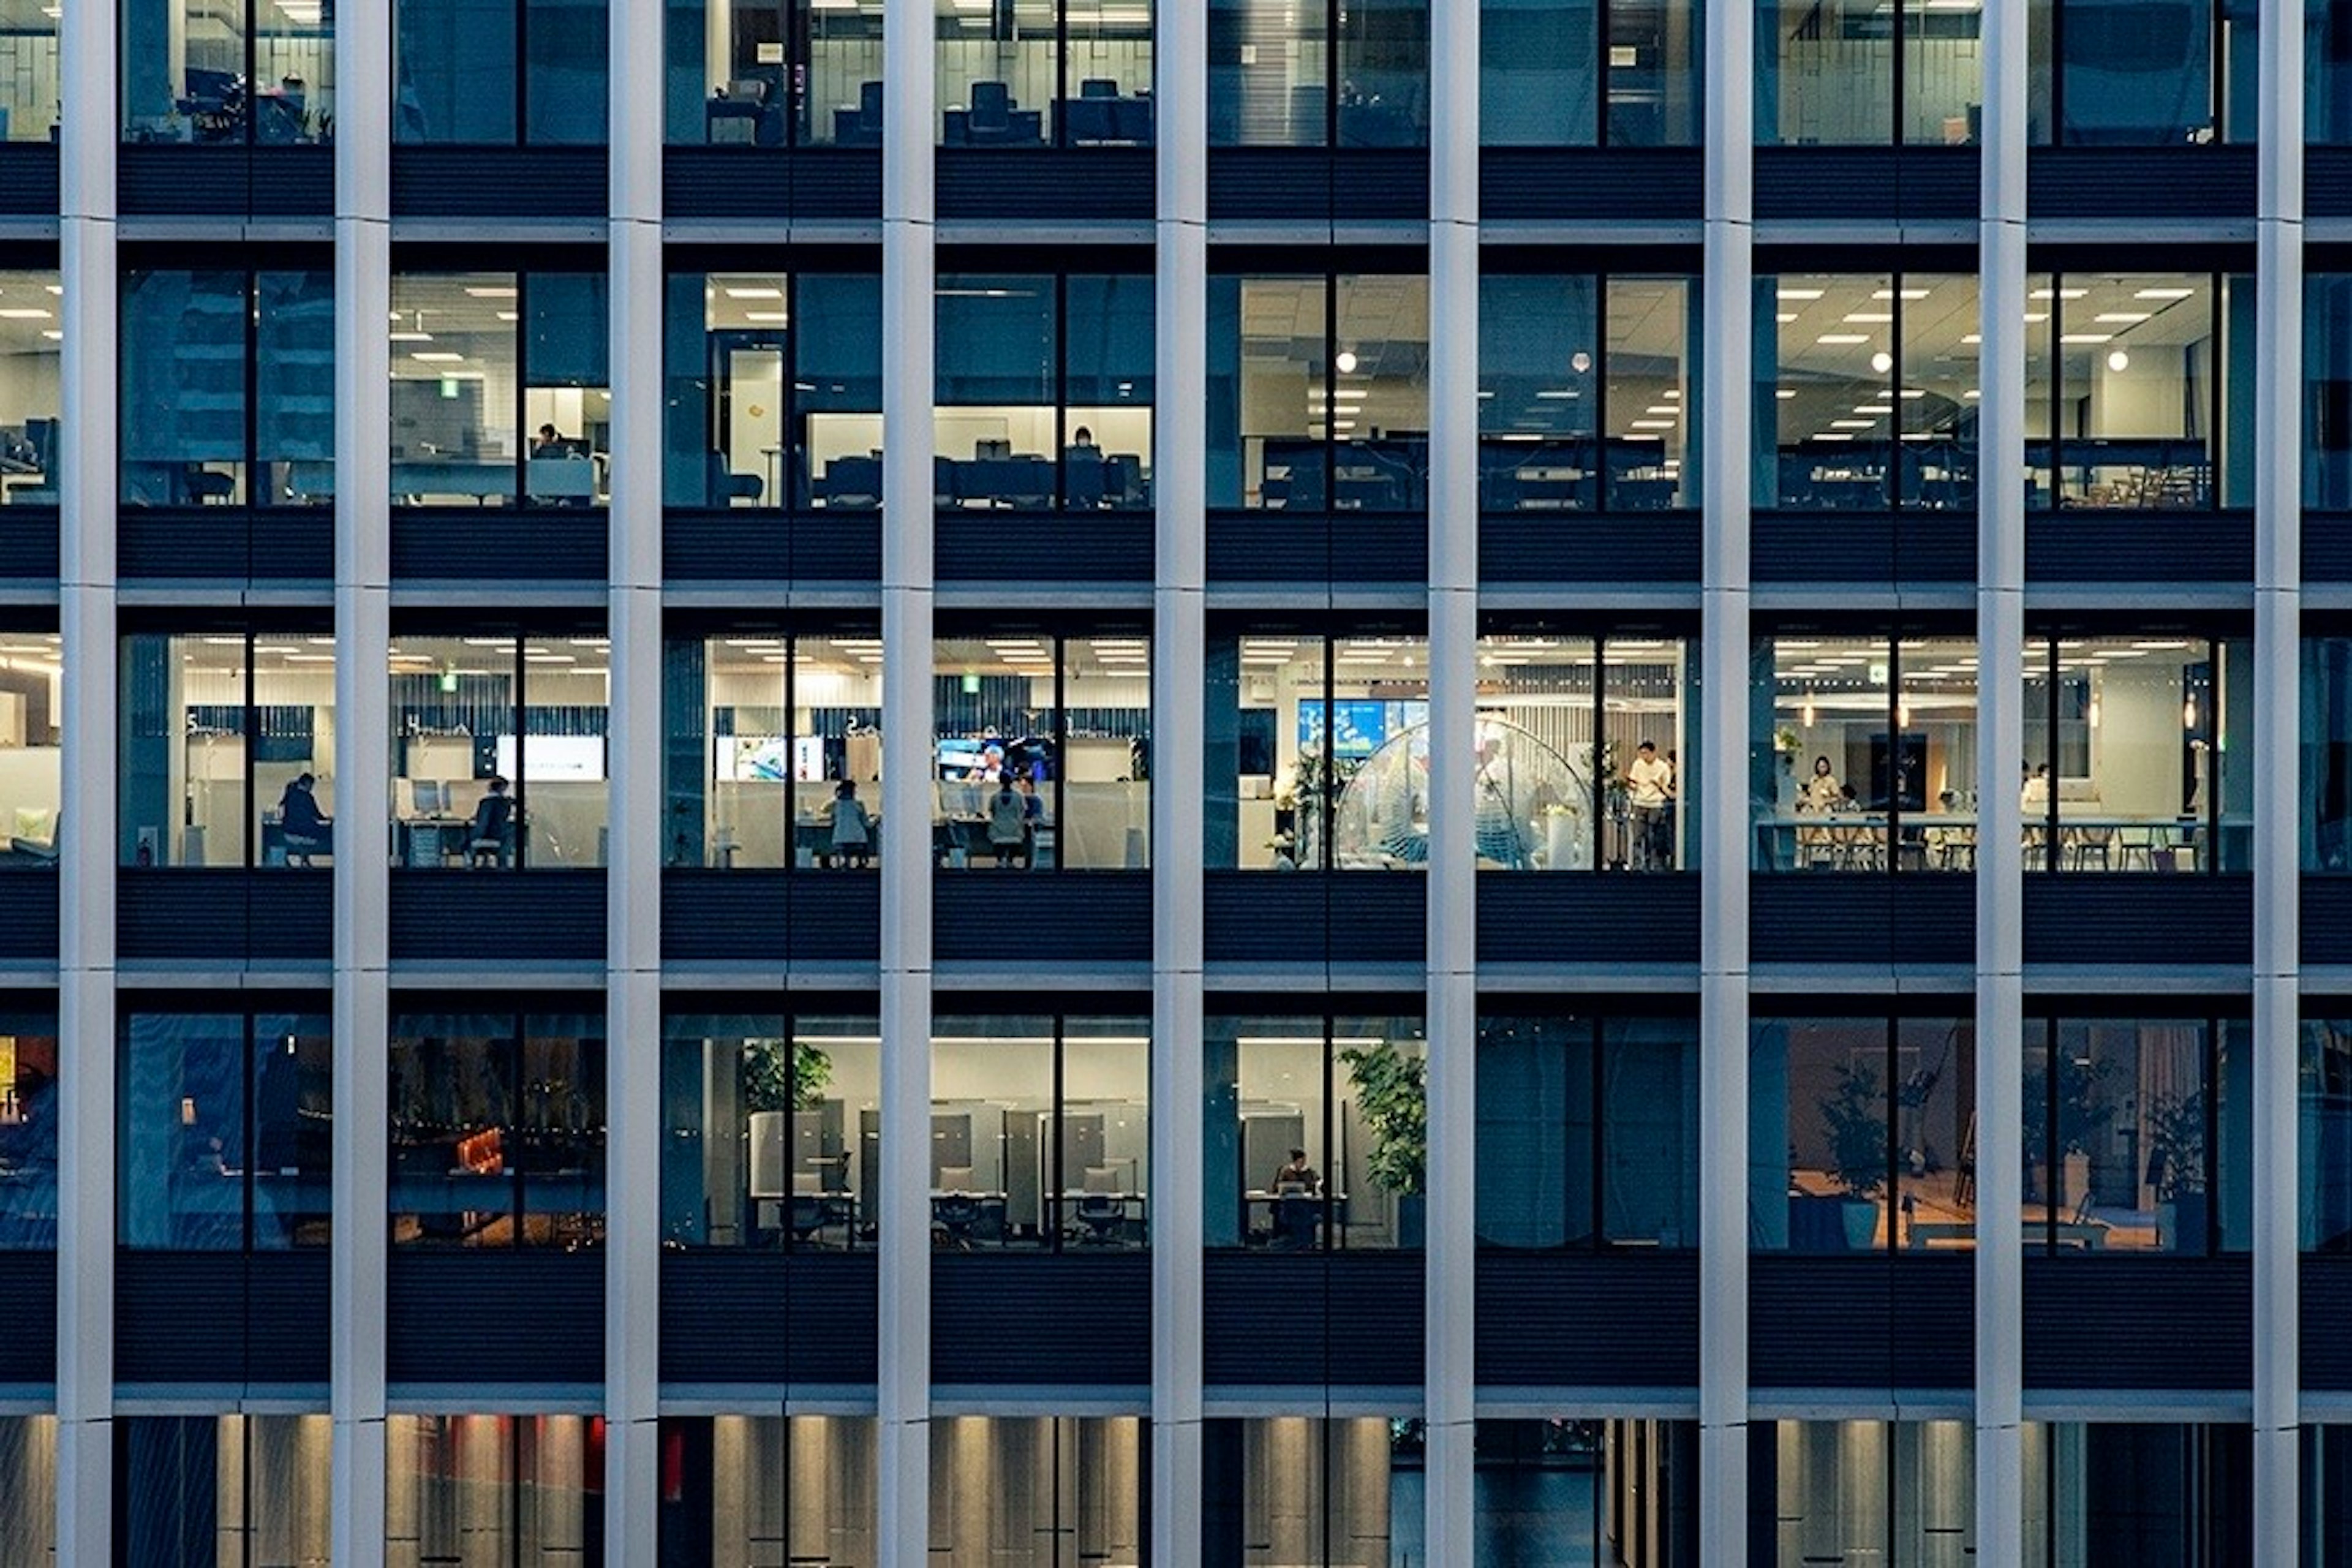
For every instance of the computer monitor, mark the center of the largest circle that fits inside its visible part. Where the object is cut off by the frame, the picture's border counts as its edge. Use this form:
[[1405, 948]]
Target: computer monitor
[[431, 796]]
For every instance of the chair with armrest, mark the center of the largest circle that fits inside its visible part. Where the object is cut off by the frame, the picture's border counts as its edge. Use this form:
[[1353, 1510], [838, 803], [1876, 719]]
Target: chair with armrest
[[1101, 1210]]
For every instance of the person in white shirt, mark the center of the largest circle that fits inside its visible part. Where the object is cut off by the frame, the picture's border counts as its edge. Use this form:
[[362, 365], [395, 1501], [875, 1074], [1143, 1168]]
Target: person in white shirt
[[1649, 790]]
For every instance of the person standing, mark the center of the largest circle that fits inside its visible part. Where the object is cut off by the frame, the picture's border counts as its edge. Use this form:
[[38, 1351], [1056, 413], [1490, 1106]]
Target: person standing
[[1649, 789], [853, 826], [1008, 824]]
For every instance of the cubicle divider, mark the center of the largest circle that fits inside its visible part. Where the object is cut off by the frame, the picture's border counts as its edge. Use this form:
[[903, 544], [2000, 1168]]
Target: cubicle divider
[[741, 546], [1274, 1319], [247, 544], [172, 178], [981, 915], [28, 178], [1915, 182], [2207, 180], [1557, 1319], [1270, 919], [1879, 548], [1567, 916], [1083, 549], [1882, 1321], [499, 182], [473, 545], [1658, 184], [29, 913], [221, 1317], [1317, 184], [28, 1350], [770, 916], [498, 918], [2100, 544], [1080, 185], [1284, 547], [2135, 918], [1660, 548], [1872, 918], [2325, 1297], [1082, 1321], [771, 183], [482, 1316], [2153, 1322], [282, 912]]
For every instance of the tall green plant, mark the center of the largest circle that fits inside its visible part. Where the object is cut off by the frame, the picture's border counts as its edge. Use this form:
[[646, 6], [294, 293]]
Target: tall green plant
[[1857, 1131], [778, 1076], [1392, 1092]]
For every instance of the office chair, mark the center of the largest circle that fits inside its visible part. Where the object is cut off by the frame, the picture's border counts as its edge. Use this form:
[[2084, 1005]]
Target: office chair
[[954, 1215], [1100, 1214]]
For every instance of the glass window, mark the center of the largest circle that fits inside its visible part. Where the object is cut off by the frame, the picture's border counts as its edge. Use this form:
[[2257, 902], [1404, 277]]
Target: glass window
[[1865, 753], [28, 1147], [2145, 407], [1041, 1133], [773, 1131], [227, 1132], [197, 349], [31, 385], [478, 357], [1872, 1491], [999, 73], [459, 83], [28, 1474], [1829, 74], [1651, 56], [2326, 815], [2143, 73], [1318, 1133], [31, 750], [2327, 387], [223, 71], [1269, 73], [1584, 1494], [1299, 1489], [2166, 1493], [1044, 752], [1078, 1482], [1860, 1135], [497, 1129], [2327, 72], [1539, 392], [29, 87], [495, 1490], [223, 1491], [227, 754], [1538, 72], [800, 1489], [2137, 1135], [775, 73], [1383, 73], [1587, 1132], [1108, 391], [2125, 744], [498, 750]]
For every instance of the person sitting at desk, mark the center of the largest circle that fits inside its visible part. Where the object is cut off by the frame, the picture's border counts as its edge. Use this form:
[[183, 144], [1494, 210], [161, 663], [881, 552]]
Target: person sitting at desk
[[1821, 792], [1296, 1178], [1082, 442], [1008, 824], [307, 830], [547, 443], [493, 819], [853, 826]]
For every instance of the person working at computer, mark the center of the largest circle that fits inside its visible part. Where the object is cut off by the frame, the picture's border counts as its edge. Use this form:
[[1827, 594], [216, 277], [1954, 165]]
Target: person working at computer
[[1008, 824], [493, 820], [1082, 441], [548, 443], [308, 831], [1649, 785], [853, 828], [1295, 1178]]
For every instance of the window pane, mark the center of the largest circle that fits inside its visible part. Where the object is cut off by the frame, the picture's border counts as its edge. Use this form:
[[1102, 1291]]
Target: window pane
[[567, 402], [1935, 1130], [293, 1100], [1654, 73], [1107, 74], [1268, 74], [1821, 1150], [494, 1488], [455, 60], [1825, 71], [2328, 71], [566, 57], [2139, 724], [2327, 386], [1536, 805], [223, 1489], [1830, 743], [294, 390], [453, 702], [1268, 343], [800, 1487], [2326, 812], [454, 369], [731, 759], [1939, 402], [1642, 753], [2325, 1135], [1653, 396], [1376, 733], [1106, 380], [1264, 786], [2133, 1105], [999, 70], [729, 385], [184, 387], [1077, 1481], [995, 761], [1935, 782], [2134, 72], [293, 749], [992, 1131], [1106, 807], [1383, 73], [31, 343], [31, 768], [1267, 1127], [1538, 394], [995, 421], [1299, 1489], [1649, 1132], [1106, 1142], [1380, 1071], [562, 795], [839, 389], [1827, 372], [1538, 72], [183, 750], [453, 1094], [1943, 74], [28, 1145], [1536, 1117], [183, 72], [837, 730], [28, 90], [183, 1131], [2136, 367], [1379, 400]]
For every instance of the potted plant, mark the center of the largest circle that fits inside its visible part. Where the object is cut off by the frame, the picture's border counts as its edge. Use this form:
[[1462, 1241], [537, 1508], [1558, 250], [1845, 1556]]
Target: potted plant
[[2083, 1120], [1393, 1094], [2176, 1168], [1854, 1119], [778, 1077]]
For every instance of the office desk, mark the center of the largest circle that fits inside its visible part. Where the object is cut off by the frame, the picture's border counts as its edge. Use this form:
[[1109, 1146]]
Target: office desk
[[432, 840], [484, 482], [1332, 1206], [1858, 841]]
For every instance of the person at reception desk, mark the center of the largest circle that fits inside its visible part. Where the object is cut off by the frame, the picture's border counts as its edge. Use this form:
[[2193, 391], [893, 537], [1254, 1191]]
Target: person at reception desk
[[853, 828]]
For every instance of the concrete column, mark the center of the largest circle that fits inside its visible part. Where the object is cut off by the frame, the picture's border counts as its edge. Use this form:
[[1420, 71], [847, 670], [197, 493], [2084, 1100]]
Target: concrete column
[[632, 872], [364, 760], [1724, 372], [2001, 859], [1450, 1395], [85, 1394], [2277, 717], [1179, 702], [908, 266]]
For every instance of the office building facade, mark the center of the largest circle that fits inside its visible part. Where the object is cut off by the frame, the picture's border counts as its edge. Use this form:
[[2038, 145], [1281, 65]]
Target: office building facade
[[890, 780]]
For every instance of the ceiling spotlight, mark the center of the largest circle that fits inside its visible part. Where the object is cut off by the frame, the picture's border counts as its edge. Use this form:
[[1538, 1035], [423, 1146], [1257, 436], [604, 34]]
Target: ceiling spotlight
[[1881, 362], [1347, 362], [2119, 362], [1579, 362]]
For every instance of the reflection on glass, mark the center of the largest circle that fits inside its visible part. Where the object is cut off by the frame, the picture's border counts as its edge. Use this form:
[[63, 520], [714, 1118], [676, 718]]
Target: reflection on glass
[[28, 87], [2327, 1134], [1077, 1481], [2139, 401], [1538, 73], [750, 1483], [250, 1488], [29, 1473], [1269, 73], [1269, 348], [2137, 72], [1538, 394], [1652, 59], [1316, 1132], [454, 378], [28, 1142], [226, 1132], [2135, 1136], [838, 390], [775, 73], [772, 1131], [494, 1488], [2327, 387], [194, 71], [1892, 1491], [1297, 1488], [2178, 1493], [1041, 1133], [1572, 1494], [454, 64], [31, 765], [188, 370], [994, 424], [1832, 383], [1828, 74]]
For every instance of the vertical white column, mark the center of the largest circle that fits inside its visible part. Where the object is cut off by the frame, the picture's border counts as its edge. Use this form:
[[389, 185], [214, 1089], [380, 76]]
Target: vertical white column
[[1450, 1287], [907, 268], [85, 854], [1179, 737], [2278, 715], [2000, 858], [361, 1159], [633, 870], [1725, 373]]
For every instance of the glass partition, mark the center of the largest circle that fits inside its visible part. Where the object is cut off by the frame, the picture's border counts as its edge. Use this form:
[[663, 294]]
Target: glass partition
[[1317, 1132], [1057, 1489], [221, 1491], [226, 1132], [1862, 1134], [1069, 72], [775, 73], [2142, 73], [801, 1488], [495, 1490], [497, 1129], [498, 750], [28, 1147], [1041, 1133], [227, 751], [498, 72], [1865, 751], [221, 71], [772, 1131]]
